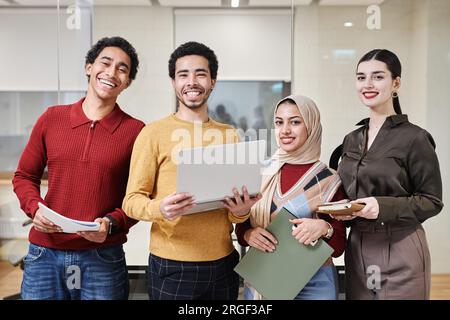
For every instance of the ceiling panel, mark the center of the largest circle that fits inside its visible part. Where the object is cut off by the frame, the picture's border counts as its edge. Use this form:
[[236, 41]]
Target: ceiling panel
[[302, 2], [191, 3], [349, 2], [278, 3], [42, 3], [121, 2], [53, 3]]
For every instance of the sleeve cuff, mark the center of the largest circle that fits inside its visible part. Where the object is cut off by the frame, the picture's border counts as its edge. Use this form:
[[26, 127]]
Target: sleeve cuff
[[386, 209], [155, 211], [237, 219]]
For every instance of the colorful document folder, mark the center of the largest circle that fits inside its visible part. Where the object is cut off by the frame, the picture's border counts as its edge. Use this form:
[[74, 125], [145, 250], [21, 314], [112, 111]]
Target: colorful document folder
[[282, 274]]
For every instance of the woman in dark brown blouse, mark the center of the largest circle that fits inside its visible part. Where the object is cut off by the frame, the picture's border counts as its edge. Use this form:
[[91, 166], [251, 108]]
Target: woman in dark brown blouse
[[390, 165]]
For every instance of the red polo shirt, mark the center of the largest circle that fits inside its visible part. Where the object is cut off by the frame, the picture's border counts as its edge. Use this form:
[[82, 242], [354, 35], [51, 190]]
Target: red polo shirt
[[88, 163]]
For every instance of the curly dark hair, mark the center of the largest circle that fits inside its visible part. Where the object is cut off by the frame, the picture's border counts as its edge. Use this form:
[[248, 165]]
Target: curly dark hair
[[119, 43], [194, 48]]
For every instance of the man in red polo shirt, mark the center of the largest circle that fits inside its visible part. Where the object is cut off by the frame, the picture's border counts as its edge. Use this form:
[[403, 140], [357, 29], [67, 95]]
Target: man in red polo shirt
[[87, 148]]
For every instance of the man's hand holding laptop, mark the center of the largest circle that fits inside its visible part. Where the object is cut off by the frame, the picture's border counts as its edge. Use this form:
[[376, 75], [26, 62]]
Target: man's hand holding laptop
[[178, 204], [240, 205]]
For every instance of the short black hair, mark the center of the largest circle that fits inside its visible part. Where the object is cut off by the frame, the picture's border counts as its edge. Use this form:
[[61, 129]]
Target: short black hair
[[118, 42], [194, 48]]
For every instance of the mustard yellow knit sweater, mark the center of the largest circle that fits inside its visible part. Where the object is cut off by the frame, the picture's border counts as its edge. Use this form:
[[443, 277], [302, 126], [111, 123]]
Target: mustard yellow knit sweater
[[196, 237]]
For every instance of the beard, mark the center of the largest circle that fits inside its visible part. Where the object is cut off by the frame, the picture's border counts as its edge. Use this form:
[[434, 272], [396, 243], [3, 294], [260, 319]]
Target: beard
[[194, 105]]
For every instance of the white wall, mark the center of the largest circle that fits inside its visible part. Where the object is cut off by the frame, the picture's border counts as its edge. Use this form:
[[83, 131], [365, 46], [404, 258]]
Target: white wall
[[30, 59], [419, 59], [437, 123], [246, 42], [326, 54]]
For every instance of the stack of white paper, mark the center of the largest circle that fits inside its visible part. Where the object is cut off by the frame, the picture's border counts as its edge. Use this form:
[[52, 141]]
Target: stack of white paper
[[66, 224]]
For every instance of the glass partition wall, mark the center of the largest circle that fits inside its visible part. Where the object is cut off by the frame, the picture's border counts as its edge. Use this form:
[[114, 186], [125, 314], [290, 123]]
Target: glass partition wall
[[42, 62]]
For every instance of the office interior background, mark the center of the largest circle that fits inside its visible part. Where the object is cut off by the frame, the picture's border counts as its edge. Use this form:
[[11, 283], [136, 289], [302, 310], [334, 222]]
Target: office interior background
[[266, 49]]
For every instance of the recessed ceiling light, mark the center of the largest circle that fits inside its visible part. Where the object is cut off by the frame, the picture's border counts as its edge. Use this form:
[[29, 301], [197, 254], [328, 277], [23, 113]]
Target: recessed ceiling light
[[348, 24]]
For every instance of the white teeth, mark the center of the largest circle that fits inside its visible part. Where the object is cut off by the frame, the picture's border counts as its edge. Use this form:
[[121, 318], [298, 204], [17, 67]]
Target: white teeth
[[108, 83], [193, 93]]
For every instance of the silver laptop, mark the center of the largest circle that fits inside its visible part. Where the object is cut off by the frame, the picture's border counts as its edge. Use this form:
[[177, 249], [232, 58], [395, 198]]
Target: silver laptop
[[211, 173]]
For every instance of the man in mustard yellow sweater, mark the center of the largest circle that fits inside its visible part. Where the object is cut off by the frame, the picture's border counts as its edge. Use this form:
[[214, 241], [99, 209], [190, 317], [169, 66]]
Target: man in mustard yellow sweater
[[191, 256]]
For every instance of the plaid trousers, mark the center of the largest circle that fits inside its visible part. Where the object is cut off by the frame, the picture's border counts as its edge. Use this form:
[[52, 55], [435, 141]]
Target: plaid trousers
[[179, 280]]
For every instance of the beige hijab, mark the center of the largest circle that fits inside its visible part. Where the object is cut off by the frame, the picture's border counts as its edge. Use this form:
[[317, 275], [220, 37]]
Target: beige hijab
[[309, 152]]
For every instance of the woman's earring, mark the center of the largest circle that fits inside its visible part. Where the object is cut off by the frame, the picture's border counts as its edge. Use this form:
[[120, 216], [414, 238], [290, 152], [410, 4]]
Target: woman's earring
[[394, 94]]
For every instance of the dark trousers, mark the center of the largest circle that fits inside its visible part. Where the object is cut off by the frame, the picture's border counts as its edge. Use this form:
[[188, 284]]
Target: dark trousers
[[178, 280]]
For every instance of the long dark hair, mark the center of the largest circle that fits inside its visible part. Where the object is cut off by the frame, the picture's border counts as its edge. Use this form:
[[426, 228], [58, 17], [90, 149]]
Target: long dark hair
[[393, 65]]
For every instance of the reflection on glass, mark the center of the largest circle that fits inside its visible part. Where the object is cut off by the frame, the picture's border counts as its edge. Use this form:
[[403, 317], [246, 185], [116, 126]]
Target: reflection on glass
[[19, 112], [247, 106]]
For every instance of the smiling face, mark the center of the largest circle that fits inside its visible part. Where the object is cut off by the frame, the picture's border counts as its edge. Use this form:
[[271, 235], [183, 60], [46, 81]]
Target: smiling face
[[192, 82], [375, 85], [290, 129], [109, 74]]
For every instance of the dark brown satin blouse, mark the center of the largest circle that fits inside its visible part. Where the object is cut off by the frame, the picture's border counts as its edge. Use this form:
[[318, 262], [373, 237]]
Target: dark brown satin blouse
[[400, 170]]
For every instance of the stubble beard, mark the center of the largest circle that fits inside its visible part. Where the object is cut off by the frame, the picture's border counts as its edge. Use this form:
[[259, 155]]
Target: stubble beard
[[194, 106]]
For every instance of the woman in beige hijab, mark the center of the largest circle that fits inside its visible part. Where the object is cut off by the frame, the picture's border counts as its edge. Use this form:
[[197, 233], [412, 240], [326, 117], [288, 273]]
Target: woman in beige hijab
[[295, 179]]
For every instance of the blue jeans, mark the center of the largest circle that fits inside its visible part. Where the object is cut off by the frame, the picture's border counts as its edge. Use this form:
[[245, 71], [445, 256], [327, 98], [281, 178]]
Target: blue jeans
[[97, 274], [322, 286]]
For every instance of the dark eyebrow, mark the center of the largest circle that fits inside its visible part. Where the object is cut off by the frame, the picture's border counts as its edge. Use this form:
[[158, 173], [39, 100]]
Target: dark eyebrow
[[375, 72], [122, 64], [196, 70], [290, 118]]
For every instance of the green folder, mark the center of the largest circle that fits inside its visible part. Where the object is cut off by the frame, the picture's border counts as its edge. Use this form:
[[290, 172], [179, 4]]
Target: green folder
[[282, 274]]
